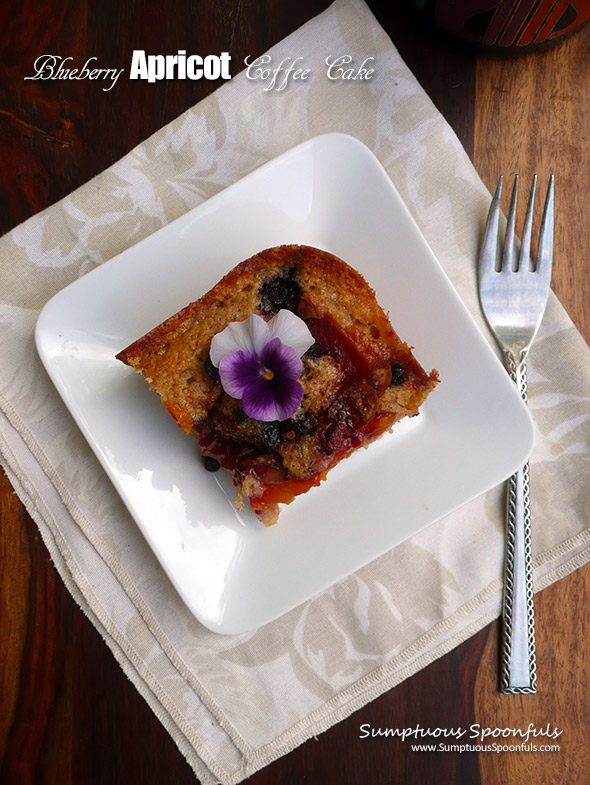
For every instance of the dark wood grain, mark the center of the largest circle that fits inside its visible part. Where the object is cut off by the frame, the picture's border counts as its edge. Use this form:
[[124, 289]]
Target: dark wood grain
[[39, 647], [563, 699], [548, 95], [67, 712]]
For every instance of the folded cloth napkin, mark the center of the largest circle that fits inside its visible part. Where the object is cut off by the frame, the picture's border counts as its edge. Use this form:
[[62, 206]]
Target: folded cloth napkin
[[235, 703]]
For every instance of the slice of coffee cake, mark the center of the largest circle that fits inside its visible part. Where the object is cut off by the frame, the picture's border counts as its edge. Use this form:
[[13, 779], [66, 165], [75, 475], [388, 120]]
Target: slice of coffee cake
[[281, 370]]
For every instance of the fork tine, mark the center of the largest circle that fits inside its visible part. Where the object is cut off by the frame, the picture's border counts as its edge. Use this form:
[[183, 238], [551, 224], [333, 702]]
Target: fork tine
[[524, 260], [545, 252], [489, 245], [508, 256]]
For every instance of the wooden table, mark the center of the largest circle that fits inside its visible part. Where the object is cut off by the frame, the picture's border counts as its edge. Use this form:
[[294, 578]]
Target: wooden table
[[67, 712]]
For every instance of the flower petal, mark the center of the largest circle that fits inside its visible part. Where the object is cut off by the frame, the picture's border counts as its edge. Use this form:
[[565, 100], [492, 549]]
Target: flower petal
[[269, 401], [291, 330], [251, 335], [258, 334], [239, 371], [282, 394], [287, 398], [259, 402], [282, 360]]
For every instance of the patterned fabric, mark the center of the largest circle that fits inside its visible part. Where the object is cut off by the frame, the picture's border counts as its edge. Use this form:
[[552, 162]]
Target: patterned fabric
[[233, 704]]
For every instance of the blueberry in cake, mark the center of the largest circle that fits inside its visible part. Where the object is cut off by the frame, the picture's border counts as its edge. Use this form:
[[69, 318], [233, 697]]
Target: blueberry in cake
[[281, 370]]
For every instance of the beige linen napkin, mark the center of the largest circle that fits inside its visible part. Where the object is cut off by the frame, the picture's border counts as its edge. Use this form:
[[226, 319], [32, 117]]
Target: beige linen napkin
[[233, 704]]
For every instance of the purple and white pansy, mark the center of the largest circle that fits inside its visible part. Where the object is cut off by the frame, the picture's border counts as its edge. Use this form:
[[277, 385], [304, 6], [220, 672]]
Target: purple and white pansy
[[259, 363]]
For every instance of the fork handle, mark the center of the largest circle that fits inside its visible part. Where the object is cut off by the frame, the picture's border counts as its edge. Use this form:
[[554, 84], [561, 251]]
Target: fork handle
[[519, 673]]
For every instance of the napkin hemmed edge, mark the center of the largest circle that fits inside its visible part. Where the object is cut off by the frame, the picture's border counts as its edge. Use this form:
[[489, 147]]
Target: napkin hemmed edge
[[208, 768], [95, 541], [59, 563], [293, 738], [396, 673]]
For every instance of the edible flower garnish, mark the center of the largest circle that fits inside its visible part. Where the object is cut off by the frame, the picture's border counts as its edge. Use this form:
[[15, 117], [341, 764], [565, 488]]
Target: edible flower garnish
[[260, 363]]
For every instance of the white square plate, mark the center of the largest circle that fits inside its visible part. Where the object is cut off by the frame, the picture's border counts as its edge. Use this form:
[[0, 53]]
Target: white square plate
[[232, 572]]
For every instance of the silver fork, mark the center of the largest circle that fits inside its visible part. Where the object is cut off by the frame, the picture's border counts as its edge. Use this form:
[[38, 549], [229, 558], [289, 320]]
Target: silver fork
[[513, 298]]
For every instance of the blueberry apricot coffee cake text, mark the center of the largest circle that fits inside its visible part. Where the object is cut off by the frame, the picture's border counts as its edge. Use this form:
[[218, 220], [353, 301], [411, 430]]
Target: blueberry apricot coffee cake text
[[283, 369]]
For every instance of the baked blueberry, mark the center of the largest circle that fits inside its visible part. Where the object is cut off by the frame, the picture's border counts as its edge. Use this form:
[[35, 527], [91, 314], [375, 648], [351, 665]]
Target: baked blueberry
[[210, 463], [269, 435], [279, 292], [398, 375], [211, 370], [315, 350]]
